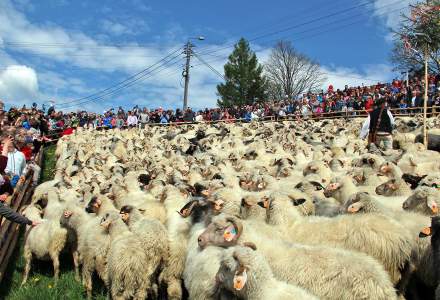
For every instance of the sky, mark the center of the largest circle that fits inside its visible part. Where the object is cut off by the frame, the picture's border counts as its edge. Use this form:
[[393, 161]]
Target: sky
[[75, 53]]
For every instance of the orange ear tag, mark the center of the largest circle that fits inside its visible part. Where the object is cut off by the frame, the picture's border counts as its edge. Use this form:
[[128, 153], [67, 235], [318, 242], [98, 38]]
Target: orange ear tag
[[433, 206], [229, 233], [426, 231], [240, 281]]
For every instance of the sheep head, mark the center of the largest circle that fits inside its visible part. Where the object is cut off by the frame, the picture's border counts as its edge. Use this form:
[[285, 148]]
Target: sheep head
[[125, 212], [94, 205], [249, 207], [387, 188], [233, 270], [332, 188], [144, 180], [108, 219], [423, 200], [223, 231], [357, 202]]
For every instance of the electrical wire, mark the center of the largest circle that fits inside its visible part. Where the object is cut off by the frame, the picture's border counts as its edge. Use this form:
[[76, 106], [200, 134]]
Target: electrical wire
[[303, 24], [125, 80], [118, 90], [318, 33], [209, 66]]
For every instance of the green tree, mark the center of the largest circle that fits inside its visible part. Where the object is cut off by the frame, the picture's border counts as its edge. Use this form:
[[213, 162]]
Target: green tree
[[418, 32], [245, 82]]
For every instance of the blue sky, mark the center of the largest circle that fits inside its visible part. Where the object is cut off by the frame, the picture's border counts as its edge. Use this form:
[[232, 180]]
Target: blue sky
[[66, 50]]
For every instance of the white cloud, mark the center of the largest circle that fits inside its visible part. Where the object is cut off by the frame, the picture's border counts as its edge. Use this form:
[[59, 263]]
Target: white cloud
[[115, 28], [388, 10], [18, 85]]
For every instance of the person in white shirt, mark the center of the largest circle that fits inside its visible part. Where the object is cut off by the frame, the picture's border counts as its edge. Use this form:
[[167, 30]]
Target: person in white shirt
[[16, 162], [132, 120]]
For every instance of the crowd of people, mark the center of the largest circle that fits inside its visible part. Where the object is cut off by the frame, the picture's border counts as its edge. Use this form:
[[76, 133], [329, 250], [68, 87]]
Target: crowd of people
[[404, 96]]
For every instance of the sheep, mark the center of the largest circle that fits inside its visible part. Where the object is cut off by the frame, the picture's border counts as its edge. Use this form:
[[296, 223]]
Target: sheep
[[153, 235], [360, 233], [299, 265], [421, 257], [319, 168], [391, 170], [248, 274], [93, 244], [46, 241], [394, 187], [128, 265], [201, 267], [178, 229], [425, 200], [340, 189]]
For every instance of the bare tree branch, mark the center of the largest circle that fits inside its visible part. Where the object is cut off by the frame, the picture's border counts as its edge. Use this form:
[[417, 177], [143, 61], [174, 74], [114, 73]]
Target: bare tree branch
[[291, 73]]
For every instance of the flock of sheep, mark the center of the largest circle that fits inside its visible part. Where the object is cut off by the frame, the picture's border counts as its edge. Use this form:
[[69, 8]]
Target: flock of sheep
[[280, 210]]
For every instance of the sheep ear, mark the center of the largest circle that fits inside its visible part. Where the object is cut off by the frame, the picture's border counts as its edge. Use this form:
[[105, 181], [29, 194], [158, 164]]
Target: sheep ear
[[240, 278], [297, 202], [299, 185], [186, 211], [317, 185], [232, 232], [427, 231], [264, 203], [432, 205], [354, 208]]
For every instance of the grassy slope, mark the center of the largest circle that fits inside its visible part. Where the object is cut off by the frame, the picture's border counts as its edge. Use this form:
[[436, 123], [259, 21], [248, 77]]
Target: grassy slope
[[40, 283]]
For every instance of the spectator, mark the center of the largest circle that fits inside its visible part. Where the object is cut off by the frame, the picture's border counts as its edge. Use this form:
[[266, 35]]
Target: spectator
[[144, 117], [132, 120], [15, 165]]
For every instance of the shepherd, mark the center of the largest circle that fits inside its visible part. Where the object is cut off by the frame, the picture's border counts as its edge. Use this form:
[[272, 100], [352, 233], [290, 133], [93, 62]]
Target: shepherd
[[379, 126]]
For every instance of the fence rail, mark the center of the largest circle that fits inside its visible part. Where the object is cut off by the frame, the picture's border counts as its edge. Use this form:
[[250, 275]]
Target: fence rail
[[9, 231]]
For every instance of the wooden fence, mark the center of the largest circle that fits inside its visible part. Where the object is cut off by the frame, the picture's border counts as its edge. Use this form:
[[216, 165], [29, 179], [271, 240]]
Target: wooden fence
[[9, 231]]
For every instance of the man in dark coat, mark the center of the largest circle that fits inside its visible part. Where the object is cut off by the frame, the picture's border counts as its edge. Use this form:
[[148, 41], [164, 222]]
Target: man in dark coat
[[380, 124]]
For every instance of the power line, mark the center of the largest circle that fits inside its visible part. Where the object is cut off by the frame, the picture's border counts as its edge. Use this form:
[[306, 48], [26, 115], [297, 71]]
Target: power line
[[320, 32], [209, 66], [75, 46], [129, 84], [303, 24], [125, 80]]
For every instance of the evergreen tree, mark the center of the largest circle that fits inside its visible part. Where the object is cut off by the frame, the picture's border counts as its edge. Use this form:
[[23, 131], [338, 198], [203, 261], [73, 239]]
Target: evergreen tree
[[245, 83]]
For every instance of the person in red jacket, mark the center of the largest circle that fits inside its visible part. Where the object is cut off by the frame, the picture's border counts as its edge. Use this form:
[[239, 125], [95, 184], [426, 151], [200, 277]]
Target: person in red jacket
[[369, 104]]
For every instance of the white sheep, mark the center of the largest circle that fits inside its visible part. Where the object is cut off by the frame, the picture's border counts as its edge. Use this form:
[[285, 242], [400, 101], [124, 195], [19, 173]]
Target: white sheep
[[45, 242], [299, 264], [128, 265], [247, 274], [154, 239], [382, 238]]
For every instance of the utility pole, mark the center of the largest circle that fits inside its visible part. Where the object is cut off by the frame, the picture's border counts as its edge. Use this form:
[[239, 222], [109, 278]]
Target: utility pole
[[188, 52]]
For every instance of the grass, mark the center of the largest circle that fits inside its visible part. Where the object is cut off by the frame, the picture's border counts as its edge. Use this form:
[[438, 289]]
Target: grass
[[40, 285]]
